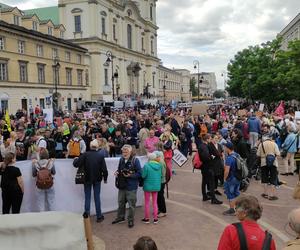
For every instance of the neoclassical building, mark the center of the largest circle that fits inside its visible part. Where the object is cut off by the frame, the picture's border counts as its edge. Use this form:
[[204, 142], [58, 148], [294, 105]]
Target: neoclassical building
[[174, 85], [290, 32], [121, 39], [36, 62]]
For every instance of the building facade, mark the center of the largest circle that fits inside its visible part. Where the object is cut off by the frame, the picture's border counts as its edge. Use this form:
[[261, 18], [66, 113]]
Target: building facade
[[123, 31], [174, 85], [207, 85], [35, 63], [290, 32]]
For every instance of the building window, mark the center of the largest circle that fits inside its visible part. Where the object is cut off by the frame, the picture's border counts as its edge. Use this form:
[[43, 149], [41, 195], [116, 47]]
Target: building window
[[143, 47], [54, 53], [103, 30], [21, 47], [153, 81], [77, 20], [152, 51], [69, 76], [79, 59], [114, 32], [41, 73], [2, 45], [50, 29], [34, 25], [39, 50], [151, 12], [68, 56], [129, 36], [87, 77], [61, 34], [16, 20], [3, 71], [106, 77], [23, 72], [79, 77]]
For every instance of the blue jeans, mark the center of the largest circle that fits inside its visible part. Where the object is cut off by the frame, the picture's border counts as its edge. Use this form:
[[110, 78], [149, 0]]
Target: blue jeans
[[87, 193]]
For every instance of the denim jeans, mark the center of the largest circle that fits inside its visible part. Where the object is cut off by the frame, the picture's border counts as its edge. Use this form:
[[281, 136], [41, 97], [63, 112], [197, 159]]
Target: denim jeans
[[87, 196], [46, 199]]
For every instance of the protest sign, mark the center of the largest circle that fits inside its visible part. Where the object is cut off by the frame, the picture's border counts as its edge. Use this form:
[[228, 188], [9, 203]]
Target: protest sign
[[179, 158], [199, 109]]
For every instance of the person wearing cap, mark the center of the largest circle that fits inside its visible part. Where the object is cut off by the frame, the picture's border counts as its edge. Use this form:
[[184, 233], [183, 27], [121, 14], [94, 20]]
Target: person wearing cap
[[95, 171], [131, 133], [294, 223], [269, 174], [130, 168], [231, 183]]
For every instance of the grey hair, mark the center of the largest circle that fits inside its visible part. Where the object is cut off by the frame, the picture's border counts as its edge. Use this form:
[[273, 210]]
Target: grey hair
[[152, 156], [294, 220], [127, 146]]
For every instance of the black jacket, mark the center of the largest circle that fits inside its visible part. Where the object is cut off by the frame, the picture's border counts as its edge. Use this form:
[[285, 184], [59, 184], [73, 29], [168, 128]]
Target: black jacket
[[94, 166], [205, 156]]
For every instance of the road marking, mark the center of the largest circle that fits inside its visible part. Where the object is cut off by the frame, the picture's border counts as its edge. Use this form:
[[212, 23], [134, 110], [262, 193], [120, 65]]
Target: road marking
[[279, 234], [200, 211]]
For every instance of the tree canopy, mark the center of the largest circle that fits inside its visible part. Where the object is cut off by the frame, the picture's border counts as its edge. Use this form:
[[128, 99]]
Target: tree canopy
[[265, 72]]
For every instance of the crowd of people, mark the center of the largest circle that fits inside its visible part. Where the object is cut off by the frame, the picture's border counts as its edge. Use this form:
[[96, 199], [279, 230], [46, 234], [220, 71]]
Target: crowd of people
[[227, 139]]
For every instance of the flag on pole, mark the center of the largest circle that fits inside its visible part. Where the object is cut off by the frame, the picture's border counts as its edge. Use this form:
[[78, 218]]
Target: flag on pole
[[280, 110], [7, 119]]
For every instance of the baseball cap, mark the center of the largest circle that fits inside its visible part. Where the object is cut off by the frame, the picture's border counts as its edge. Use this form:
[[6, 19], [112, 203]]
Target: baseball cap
[[129, 122], [228, 145]]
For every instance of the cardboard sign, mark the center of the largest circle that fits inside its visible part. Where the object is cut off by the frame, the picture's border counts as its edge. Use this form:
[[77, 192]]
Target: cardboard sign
[[87, 115], [179, 158], [242, 112], [261, 107], [144, 112], [199, 109], [48, 114]]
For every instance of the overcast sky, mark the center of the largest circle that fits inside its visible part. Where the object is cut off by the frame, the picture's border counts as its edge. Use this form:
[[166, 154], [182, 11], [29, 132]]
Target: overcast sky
[[211, 31]]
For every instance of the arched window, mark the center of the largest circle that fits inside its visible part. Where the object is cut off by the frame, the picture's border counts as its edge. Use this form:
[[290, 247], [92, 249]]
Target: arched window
[[103, 30], [129, 36], [152, 49]]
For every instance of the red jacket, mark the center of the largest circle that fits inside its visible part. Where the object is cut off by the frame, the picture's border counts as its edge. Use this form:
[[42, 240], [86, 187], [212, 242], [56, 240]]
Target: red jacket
[[255, 236]]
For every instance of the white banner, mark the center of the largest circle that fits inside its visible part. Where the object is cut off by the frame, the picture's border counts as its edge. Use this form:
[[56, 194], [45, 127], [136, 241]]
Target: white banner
[[69, 196]]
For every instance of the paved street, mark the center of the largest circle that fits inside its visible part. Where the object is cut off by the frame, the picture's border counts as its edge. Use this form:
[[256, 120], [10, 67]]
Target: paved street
[[193, 224]]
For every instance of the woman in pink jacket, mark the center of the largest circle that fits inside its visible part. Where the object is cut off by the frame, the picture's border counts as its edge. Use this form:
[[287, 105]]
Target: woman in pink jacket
[[151, 142]]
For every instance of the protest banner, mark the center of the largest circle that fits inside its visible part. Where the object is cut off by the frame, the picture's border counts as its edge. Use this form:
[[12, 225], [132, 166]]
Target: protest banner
[[179, 158], [199, 109]]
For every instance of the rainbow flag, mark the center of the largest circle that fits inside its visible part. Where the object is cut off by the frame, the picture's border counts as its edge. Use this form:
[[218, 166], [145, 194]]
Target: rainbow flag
[[7, 119]]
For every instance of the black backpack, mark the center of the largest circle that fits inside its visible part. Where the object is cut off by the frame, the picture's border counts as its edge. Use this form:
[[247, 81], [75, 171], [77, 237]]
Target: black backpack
[[51, 145], [243, 240]]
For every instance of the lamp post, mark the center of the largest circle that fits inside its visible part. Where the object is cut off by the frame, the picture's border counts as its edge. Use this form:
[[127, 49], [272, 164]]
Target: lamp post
[[164, 87], [249, 87], [224, 74], [56, 67], [110, 59], [197, 66]]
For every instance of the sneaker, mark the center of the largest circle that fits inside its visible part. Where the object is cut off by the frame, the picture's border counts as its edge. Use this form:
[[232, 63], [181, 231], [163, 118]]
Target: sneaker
[[118, 221], [229, 212], [130, 224], [273, 198], [100, 219], [160, 215], [285, 174], [146, 221], [155, 221], [265, 196]]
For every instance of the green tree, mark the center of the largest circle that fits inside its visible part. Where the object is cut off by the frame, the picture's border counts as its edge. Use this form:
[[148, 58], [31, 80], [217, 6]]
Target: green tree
[[193, 87], [219, 94], [265, 72]]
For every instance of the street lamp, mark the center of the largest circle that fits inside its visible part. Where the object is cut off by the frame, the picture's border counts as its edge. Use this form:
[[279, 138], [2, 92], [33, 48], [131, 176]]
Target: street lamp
[[197, 66], [164, 87], [110, 59], [249, 87], [56, 67], [224, 74]]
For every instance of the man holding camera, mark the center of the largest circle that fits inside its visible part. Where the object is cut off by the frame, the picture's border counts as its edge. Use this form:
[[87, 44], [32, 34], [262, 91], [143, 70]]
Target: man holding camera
[[128, 175]]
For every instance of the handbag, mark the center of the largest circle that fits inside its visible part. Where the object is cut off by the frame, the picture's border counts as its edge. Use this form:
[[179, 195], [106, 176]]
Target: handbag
[[285, 151], [80, 176], [120, 181], [296, 193]]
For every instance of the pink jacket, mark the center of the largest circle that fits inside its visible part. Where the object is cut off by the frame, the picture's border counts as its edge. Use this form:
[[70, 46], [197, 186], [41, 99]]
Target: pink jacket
[[150, 144]]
